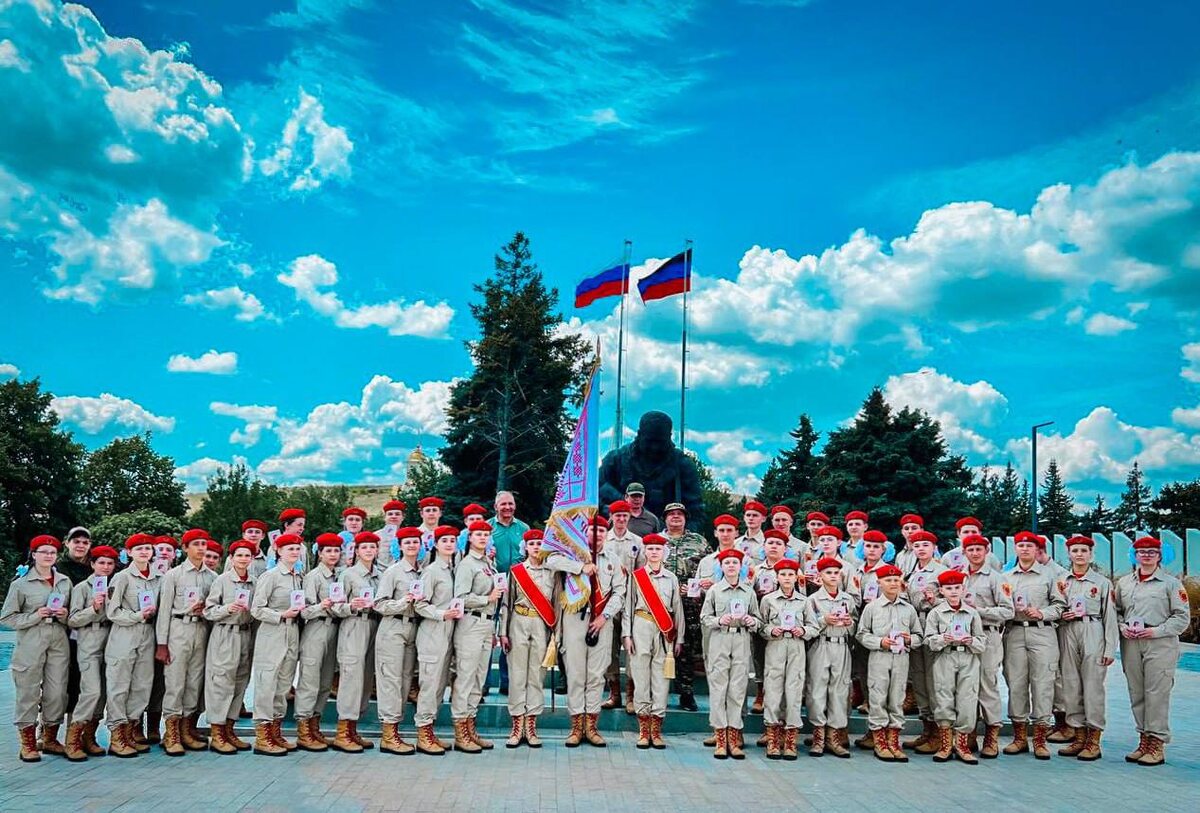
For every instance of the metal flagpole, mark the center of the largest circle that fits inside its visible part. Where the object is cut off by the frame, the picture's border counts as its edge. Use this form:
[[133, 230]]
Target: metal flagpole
[[687, 283], [619, 433]]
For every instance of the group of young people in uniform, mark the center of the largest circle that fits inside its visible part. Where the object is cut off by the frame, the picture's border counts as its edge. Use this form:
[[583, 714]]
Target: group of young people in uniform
[[823, 623]]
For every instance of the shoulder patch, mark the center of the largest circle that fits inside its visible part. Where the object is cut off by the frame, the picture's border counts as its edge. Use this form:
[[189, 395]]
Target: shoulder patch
[[1006, 588], [1062, 586], [1183, 595], [1095, 591]]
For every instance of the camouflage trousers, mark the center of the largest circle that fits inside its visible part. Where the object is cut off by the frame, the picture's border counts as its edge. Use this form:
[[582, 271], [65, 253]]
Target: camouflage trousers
[[685, 664]]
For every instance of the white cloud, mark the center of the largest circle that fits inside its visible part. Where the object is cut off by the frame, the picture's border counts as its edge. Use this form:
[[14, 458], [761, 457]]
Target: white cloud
[[195, 474], [732, 455], [309, 274], [9, 370], [212, 362], [1186, 417], [958, 407], [93, 415], [256, 418], [248, 307], [310, 151], [1191, 369], [11, 58], [1105, 324]]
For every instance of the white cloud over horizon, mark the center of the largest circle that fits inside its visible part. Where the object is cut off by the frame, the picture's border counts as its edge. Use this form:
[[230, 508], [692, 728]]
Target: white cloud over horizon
[[211, 362], [96, 414]]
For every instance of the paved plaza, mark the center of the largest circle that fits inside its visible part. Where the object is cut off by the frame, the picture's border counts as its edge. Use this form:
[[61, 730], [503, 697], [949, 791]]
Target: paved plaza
[[617, 778]]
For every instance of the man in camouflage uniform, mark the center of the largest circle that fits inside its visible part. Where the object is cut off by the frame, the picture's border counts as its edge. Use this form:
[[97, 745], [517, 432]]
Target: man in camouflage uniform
[[685, 550]]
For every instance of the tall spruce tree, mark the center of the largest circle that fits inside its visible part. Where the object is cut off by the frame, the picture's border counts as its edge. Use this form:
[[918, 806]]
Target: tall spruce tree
[[789, 479], [1056, 514], [1099, 520], [508, 421], [1177, 507], [1133, 510]]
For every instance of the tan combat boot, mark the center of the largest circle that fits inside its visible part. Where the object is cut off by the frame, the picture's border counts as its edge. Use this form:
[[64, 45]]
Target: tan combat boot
[[517, 732], [1155, 752], [151, 735], [219, 741], [1020, 741], [757, 708], [1091, 746], [1062, 732], [1077, 744], [462, 737], [591, 733], [962, 748], [427, 743], [614, 695], [576, 734], [774, 742], [344, 741], [264, 743], [945, 744], [280, 740], [1040, 750], [29, 744], [137, 736], [392, 743], [73, 747], [120, 741], [643, 740], [1137, 753], [991, 742], [190, 735], [866, 742], [90, 745], [172, 742], [486, 745], [836, 740], [304, 737], [818, 742], [314, 730], [363, 743], [920, 739], [50, 743], [736, 748], [721, 743], [881, 745], [790, 737], [710, 741], [233, 739], [656, 737], [894, 746], [531, 735], [629, 696], [932, 740]]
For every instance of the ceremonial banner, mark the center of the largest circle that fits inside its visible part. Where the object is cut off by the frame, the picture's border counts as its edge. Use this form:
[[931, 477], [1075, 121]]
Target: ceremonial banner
[[577, 496]]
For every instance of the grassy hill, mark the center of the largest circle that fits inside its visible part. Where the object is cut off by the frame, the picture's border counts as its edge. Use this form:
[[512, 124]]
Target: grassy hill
[[369, 497]]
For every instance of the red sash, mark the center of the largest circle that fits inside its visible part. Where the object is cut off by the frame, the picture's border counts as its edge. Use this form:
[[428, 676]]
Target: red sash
[[666, 624], [540, 603], [598, 599]]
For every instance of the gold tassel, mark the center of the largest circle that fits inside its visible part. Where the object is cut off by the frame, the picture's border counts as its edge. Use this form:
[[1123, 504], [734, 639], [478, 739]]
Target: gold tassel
[[551, 658], [669, 667]]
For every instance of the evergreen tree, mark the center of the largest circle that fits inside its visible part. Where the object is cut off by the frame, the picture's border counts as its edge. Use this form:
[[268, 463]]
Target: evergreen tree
[[128, 475], [789, 479], [1056, 514], [508, 421], [1132, 512], [234, 496], [1012, 496], [1099, 520], [717, 498], [1177, 507], [114, 529]]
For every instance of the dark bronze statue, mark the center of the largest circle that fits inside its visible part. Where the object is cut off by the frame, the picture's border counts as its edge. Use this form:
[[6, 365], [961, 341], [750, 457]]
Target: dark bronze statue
[[653, 460]]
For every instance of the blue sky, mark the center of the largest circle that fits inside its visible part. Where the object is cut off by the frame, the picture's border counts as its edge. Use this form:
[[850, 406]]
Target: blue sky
[[253, 229]]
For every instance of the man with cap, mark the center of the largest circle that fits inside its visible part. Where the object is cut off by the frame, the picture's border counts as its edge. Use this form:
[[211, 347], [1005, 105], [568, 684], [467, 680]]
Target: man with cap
[[1031, 646], [730, 614], [129, 653], [1087, 645], [254, 531], [831, 613], [1152, 612], [641, 521], [396, 640], [909, 525], [784, 626], [230, 647], [585, 630], [439, 610], [629, 545], [762, 577], [754, 514], [475, 584], [964, 527], [431, 517], [923, 595], [212, 555], [318, 643], [89, 621], [277, 603], [393, 520], [813, 522], [36, 607], [986, 591], [527, 620], [954, 633], [653, 632], [783, 519], [181, 634], [856, 526], [684, 552], [865, 587], [888, 630]]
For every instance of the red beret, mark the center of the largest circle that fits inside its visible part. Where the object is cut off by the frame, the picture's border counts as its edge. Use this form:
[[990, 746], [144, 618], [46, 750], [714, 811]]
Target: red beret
[[755, 505], [44, 539], [327, 541], [173, 542], [1080, 539], [875, 536], [620, 507], [213, 546], [366, 537], [599, 522], [1147, 543], [354, 511], [829, 530], [958, 526], [725, 519], [243, 544], [782, 509], [394, 505], [915, 519], [725, 554], [444, 530], [284, 540], [533, 533], [254, 523], [478, 525], [951, 577], [786, 564], [772, 533], [884, 571], [826, 562], [426, 502], [192, 533], [474, 508], [103, 551], [410, 532], [1030, 536], [137, 540], [816, 515], [975, 540], [289, 514], [857, 515], [923, 536], [654, 539]]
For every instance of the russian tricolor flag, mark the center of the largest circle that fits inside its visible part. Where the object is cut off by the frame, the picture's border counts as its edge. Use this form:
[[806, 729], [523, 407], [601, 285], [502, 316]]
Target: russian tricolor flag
[[672, 277], [612, 282]]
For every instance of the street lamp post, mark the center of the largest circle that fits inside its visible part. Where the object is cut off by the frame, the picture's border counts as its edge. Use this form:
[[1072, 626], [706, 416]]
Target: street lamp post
[[1033, 492]]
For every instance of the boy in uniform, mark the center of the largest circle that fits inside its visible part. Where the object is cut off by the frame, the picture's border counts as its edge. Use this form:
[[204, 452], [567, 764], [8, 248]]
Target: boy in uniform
[[785, 628], [396, 639], [89, 620], [230, 647], [888, 630], [527, 621], [921, 579], [730, 613], [954, 633], [831, 612], [986, 591], [318, 644], [276, 644]]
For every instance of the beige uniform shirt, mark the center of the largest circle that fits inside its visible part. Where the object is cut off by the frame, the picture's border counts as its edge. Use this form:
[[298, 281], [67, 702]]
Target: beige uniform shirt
[[880, 618], [942, 619], [1038, 587], [124, 590], [772, 607], [1160, 601], [173, 595], [985, 590], [719, 599], [90, 625], [316, 590], [666, 584], [920, 578], [822, 603], [224, 591], [28, 594], [542, 576], [394, 598], [1096, 594]]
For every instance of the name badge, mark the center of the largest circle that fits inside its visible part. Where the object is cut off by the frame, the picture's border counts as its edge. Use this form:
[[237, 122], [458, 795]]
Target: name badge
[[337, 592], [100, 585], [1020, 600], [159, 567], [1136, 624], [956, 558], [766, 582], [958, 629], [456, 604], [897, 641], [969, 599], [191, 595], [871, 592]]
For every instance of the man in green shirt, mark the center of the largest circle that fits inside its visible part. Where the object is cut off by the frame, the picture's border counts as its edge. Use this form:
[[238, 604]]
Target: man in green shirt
[[508, 536]]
